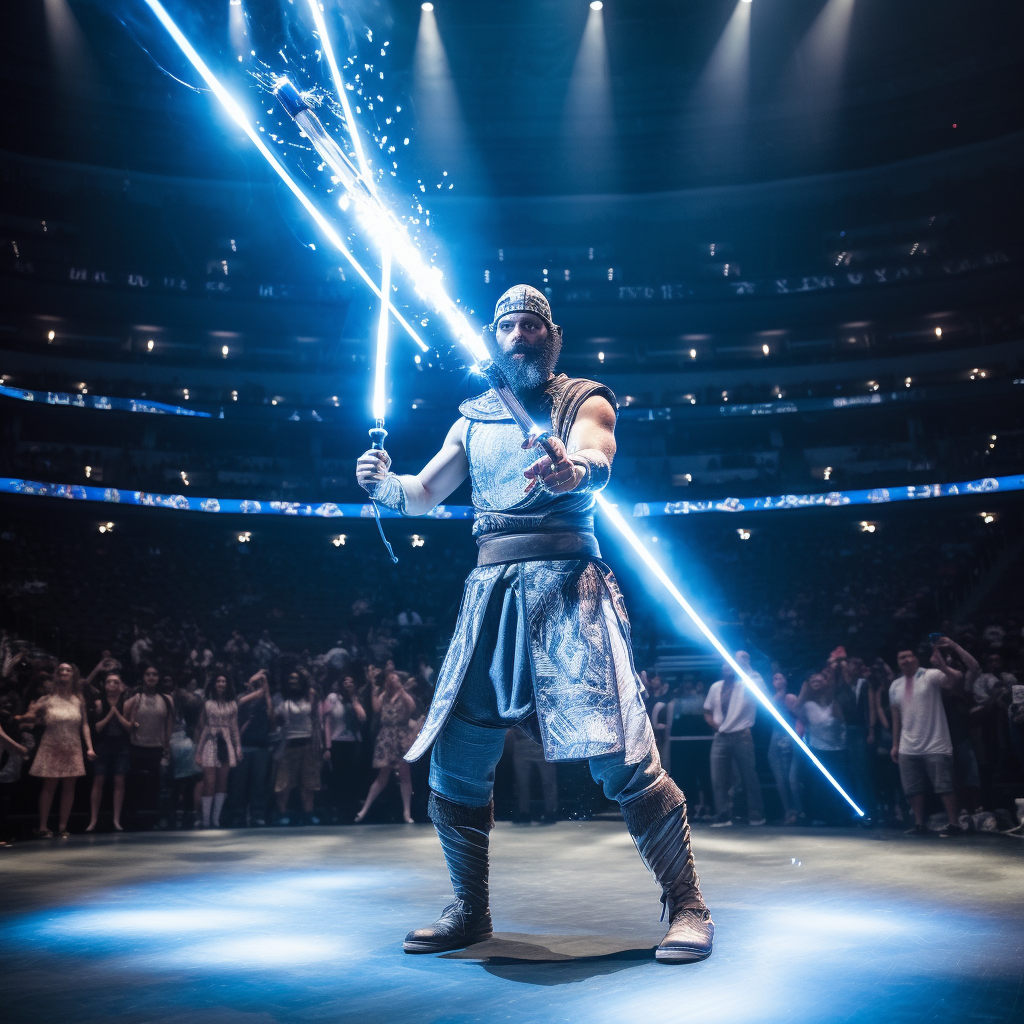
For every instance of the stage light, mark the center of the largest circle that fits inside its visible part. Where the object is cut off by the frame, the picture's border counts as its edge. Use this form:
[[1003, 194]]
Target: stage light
[[600, 357], [185, 394], [51, 335], [743, 534], [184, 478], [88, 472], [426, 7], [339, 541], [234, 396], [866, 527], [417, 541], [106, 527], [149, 345], [596, 5], [828, 473], [244, 538], [765, 349], [987, 517], [938, 332], [907, 381], [724, 80], [588, 120]]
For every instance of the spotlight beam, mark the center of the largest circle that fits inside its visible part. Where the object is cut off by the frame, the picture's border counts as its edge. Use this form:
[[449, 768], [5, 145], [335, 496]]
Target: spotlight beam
[[238, 116]]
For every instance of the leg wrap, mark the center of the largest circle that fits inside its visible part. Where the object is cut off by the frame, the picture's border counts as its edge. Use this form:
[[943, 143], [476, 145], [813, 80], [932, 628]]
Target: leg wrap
[[463, 832], [657, 800], [665, 849]]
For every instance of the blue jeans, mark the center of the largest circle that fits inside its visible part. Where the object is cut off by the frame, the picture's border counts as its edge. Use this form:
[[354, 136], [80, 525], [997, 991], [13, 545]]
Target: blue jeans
[[462, 766], [785, 768]]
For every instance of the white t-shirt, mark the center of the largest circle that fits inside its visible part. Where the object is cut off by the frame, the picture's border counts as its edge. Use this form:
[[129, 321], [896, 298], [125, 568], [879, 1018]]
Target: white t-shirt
[[986, 684], [824, 730], [923, 726], [741, 712]]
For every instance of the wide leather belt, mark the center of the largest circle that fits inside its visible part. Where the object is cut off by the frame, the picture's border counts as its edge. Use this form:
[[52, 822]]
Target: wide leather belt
[[499, 548]]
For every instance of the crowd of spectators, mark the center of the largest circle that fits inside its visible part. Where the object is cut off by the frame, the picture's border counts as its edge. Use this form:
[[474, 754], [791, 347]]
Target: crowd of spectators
[[267, 682]]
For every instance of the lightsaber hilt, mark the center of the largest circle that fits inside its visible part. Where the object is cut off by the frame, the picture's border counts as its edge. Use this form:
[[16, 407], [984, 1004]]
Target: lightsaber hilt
[[516, 409], [377, 435], [297, 107]]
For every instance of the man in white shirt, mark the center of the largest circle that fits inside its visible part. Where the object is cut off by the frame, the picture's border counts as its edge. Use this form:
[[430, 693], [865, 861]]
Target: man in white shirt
[[730, 711], [920, 735], [993, 681]]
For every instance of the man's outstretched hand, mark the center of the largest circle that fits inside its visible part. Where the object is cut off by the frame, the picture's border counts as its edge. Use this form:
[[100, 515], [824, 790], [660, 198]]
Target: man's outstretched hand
[[557, 475]]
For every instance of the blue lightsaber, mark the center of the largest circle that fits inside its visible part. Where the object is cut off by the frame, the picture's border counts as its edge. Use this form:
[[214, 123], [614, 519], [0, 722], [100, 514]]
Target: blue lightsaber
[[430, 286]]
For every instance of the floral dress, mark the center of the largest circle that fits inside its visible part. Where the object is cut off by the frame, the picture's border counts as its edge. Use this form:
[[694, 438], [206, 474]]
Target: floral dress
[[221, 725], [393, 737], [60, 750]]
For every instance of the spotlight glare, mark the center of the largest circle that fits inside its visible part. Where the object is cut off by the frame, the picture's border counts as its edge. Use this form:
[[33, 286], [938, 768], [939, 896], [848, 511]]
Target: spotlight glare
[[224, 351], [417, 541], [426, 7], [987, 517], [339, 541], [596, 5], [149, 345], [938, 332], [765, 349], [743, 534], [51, 335]]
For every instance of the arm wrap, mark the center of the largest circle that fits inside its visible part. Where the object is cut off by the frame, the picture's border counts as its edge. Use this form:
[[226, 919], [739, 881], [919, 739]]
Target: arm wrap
[[597, 470], [390, 493]]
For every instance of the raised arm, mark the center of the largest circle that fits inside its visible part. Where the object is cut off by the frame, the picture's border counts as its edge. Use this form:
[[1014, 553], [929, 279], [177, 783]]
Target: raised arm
[[415, 495], [951, 677]]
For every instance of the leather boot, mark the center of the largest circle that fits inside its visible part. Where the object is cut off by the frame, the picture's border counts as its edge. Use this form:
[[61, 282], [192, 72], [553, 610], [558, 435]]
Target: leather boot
[[658, 824], [463, 832]]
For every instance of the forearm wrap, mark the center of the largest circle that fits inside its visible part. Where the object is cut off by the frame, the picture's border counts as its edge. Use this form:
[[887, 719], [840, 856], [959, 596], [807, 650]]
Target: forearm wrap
[[597, 470], [390, 493]]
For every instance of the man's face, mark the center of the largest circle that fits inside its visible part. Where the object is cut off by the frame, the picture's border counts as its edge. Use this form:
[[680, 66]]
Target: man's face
[[528, 349], [728, 675], [908, 663]]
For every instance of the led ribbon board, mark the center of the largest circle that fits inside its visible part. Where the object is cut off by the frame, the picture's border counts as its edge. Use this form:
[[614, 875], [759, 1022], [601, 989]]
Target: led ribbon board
[[428, 285]]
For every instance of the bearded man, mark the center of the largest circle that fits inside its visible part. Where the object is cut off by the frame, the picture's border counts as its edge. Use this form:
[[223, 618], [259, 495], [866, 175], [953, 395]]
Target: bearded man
[[542, 641]]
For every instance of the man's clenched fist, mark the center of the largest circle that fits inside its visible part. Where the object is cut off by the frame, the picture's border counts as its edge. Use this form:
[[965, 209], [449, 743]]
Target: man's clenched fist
[[371, 468]]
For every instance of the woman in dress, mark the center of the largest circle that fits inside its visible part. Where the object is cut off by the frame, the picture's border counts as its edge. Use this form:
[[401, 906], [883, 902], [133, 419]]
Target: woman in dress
[[59, 757], [395, 707], [219, 747], [112, 730]]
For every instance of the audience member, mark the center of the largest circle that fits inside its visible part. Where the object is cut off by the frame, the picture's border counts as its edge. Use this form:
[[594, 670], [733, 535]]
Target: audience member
[[921, 744], [299, 761], [219, 747], [730, 711], [151, 714], [394, 707], [344, 720], [112, 730], [784, 766], [825, 734], [62, 714], [247, 783]]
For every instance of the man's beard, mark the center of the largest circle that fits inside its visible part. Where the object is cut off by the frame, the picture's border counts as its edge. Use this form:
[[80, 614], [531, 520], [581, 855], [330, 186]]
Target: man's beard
[[536, 365]]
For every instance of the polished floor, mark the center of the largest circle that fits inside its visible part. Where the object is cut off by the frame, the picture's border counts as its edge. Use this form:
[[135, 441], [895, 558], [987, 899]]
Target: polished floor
[[306, 925]]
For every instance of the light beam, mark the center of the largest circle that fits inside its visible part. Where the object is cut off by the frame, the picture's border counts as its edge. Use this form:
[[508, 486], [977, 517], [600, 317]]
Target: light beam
[[615, 516], [238, 116], [380, 368]]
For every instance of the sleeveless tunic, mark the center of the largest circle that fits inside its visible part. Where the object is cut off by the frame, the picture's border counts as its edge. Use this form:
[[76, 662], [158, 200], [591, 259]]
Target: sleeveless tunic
[[540, 644]]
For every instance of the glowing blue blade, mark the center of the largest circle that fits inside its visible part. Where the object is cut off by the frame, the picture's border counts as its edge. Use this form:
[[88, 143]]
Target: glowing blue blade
[[239, 117], [380, 368], [339, 86], [651, 562]]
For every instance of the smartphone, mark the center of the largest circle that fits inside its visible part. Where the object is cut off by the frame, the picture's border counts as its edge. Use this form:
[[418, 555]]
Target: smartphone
[[934, 637]]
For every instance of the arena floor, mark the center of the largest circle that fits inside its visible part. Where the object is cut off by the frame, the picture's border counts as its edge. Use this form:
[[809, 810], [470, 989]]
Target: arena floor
[[306, 925]]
